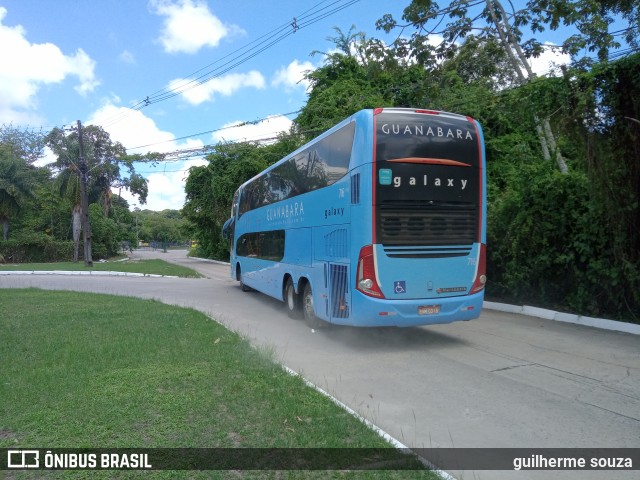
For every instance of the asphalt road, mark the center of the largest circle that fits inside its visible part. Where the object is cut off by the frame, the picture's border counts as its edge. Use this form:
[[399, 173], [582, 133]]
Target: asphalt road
[[502, 380]]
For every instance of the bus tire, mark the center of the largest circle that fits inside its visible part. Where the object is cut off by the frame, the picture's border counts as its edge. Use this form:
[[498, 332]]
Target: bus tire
[[307, 307], [292, 300], [243, 287]]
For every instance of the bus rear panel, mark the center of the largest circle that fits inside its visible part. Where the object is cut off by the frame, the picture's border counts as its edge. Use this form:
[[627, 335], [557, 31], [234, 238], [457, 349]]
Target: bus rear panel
[[427, 254]]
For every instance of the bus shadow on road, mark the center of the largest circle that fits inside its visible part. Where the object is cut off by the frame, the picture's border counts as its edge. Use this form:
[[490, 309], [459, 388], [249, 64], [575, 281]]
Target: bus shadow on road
[[392, 338]]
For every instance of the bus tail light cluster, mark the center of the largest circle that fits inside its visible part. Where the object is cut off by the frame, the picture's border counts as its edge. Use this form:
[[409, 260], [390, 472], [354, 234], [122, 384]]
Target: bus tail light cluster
[[366, 280], [481, 272]]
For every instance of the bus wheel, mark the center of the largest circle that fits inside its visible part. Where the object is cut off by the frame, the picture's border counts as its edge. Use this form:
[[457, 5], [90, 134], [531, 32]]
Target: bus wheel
[[239, 278], [292, 300], [307, 307]]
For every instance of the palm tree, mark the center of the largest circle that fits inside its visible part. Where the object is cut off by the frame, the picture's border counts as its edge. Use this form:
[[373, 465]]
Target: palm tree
[[103, 159], [16, 184]]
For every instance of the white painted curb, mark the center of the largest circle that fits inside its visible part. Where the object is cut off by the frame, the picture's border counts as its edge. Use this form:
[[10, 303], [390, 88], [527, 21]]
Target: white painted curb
[[602, 323], [393, 441]]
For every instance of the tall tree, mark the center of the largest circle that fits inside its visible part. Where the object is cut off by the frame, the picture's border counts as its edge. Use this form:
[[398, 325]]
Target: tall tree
[[25, 144], [489, 19], [104, 159], [16, 183]]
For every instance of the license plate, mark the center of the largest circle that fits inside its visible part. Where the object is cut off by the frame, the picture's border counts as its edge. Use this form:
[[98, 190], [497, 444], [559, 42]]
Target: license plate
[[428, 309]]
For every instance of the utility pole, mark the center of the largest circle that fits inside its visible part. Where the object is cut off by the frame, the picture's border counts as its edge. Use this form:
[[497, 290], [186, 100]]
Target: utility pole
[[84, 201]]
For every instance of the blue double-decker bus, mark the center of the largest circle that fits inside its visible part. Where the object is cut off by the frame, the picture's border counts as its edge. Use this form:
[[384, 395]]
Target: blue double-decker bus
[[380, 221]]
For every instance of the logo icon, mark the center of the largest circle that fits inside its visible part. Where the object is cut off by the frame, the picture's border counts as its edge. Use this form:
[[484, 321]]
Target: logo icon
[[400, 286], [384, 176], [23, 459]]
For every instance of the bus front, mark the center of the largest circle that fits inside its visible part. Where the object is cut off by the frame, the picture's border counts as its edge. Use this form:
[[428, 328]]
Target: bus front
[[426, 261]]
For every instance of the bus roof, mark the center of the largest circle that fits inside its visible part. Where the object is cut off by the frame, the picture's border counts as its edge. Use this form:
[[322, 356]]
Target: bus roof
[[366, 114]]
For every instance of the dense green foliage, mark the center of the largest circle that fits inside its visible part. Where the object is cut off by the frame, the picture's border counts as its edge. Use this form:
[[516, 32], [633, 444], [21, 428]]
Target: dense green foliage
[[34, 247], [36, 206], [167, 227], [39, 206]]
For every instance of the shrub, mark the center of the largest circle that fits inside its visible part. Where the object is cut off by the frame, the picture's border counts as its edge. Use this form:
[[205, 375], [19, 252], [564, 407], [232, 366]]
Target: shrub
[[35, 248]]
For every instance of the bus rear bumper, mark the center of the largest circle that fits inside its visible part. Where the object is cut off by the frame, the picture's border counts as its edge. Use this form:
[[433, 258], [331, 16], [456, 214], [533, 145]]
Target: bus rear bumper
[[410, 313]]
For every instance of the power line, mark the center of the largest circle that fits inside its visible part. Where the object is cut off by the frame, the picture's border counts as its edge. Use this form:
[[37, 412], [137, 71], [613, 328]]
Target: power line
[[186, 153], [239, 56], [242, 124], [258, 46]]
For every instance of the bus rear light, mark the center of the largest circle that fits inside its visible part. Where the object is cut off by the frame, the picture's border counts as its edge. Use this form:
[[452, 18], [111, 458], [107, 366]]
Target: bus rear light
[[481, 273], [429, 112], [366, 280]]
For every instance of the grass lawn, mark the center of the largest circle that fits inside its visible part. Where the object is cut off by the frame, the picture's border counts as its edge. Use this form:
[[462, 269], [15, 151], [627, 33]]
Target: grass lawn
[[155, 267], [96, 371]]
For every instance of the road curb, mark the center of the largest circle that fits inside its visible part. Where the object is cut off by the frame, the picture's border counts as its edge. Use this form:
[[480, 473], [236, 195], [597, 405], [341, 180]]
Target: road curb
[[209, 260], [546, 314], [393, 441]]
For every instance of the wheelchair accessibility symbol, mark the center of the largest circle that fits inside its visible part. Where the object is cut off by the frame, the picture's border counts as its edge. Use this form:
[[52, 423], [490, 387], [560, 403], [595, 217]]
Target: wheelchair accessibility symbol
[[400, 286]]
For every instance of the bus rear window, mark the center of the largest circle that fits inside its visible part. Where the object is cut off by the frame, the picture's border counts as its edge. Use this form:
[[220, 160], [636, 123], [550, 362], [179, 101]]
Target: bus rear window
[[415, 136]]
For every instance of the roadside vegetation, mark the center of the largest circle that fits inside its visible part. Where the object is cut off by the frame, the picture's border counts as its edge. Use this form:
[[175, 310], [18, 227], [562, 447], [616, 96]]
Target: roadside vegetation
[[98, 371]]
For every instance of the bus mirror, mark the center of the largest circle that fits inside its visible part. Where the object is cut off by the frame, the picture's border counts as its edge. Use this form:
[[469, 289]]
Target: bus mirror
[[227, 229]]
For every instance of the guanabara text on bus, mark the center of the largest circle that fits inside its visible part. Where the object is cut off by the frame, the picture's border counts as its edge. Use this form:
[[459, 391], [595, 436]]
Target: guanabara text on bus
[[380, 221]]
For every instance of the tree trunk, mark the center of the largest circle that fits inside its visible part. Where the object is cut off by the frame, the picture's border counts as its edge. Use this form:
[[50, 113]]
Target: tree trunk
[[5, 227], [77, 228], [520, 63]]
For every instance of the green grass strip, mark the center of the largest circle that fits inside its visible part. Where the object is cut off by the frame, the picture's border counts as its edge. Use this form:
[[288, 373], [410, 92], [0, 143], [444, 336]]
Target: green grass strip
[[97, 371], [149, 267]]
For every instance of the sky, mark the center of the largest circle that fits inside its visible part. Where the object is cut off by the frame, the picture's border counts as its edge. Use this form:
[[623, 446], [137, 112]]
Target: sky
[[129, 66]]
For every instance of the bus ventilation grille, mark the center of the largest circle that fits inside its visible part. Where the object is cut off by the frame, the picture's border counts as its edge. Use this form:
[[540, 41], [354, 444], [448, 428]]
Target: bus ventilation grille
[[335, 243], [420, 225], [355, 189], [339, 290]]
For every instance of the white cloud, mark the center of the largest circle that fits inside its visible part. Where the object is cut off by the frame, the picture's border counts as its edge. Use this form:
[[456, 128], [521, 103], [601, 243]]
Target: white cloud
[[292, 76], [127, 57], [266, 129], [26, 67], [225, 85], [47, 158], [550, 59], [133, 128], [189, 25], [82, 66], [166, 187]]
